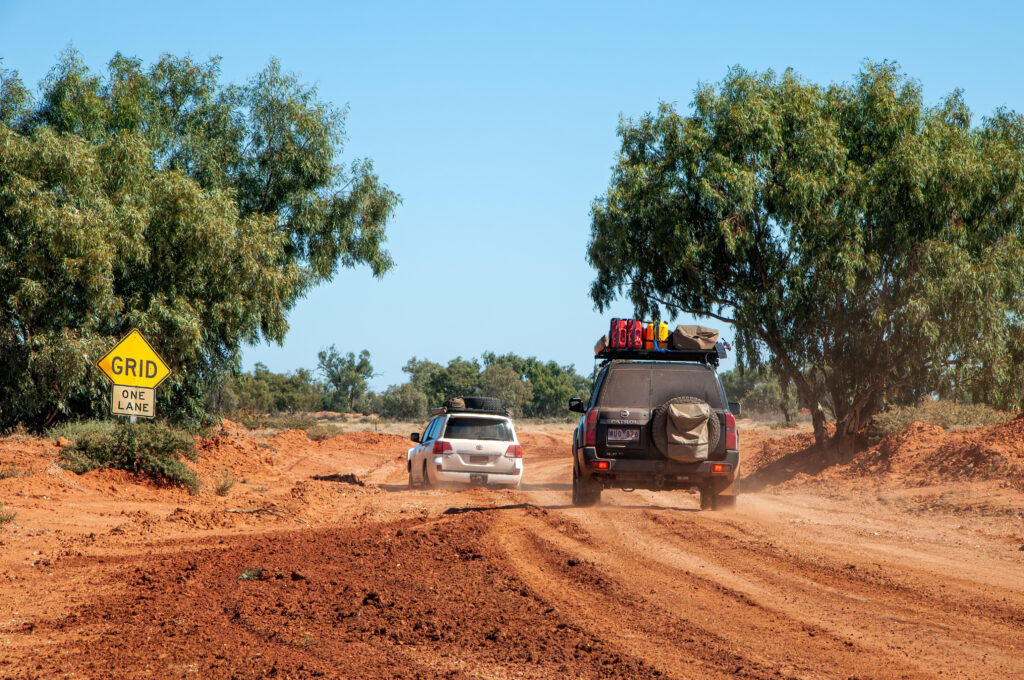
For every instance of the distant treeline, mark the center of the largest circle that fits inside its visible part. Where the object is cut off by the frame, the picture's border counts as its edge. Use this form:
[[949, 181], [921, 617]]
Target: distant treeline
[[530, 387]]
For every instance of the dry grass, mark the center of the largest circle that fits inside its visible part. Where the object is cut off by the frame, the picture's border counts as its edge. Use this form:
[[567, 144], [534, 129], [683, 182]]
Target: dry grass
[[949, 415]]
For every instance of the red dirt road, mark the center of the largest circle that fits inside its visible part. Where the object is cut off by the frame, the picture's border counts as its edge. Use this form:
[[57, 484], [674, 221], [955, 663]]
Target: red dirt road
[[103, 576]]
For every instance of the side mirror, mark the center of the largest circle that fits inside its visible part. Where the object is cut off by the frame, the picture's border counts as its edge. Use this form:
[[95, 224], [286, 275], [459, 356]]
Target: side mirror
[[415, 436], [576, 405], [734, 408]]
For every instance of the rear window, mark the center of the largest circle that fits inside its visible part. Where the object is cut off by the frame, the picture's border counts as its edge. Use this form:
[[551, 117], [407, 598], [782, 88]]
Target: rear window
[[494, 429], [650, 386]]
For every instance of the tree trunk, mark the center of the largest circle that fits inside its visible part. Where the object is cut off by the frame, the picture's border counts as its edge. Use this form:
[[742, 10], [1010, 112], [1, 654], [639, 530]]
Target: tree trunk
[[807, 396], [851, 431]]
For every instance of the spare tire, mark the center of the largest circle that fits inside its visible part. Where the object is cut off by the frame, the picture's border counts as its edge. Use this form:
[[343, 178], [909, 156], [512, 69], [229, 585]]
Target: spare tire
[[658, 423], [483, 403]]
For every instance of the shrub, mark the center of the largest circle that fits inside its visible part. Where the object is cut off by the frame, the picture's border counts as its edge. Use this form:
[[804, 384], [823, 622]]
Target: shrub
[[404, 402], [224, 484], [256, 573], [11, 471], [74, 430], [948, 415], [280, 421], [6, 516], [152, 449], [320, 432]]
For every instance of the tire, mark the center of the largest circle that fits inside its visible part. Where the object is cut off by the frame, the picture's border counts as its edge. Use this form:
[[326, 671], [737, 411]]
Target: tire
[[412, 483], [483, 403], [661, 416], [719, 502], [706, 494], [585, 492], [425, 484], [709, 500]]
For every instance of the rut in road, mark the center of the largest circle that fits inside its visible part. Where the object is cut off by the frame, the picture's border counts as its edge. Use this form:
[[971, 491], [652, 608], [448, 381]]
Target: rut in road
[[697, 589]]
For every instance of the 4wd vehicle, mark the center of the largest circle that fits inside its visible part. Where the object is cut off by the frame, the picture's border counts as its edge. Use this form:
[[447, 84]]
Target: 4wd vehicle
[[657, 419], [473, 442]]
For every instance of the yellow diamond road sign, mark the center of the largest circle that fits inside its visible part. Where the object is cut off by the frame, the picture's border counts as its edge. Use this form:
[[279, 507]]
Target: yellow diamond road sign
[[134, 362]]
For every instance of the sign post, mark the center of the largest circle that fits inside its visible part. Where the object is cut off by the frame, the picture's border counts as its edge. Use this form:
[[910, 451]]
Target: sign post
[[135, 369]]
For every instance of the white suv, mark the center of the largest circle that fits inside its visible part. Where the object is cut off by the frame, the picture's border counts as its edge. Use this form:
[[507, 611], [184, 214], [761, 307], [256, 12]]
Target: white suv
[[466, 446]]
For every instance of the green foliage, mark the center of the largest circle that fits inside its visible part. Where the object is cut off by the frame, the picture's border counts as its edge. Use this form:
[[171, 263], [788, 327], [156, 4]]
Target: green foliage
[[153, 449], [948, 415], [281, 421], [772, 395], [458, 378], [506, 384], [6, 516], [265, 392], [345, 378], [163, 199], [862, 240], [739, 381], [321, 431], [760, 391], [404, 402], [551, 385], [256, 573]]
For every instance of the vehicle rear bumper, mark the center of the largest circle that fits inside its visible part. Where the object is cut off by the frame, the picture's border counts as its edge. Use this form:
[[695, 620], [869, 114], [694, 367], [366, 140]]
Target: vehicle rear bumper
[[661, 473], [467, 477]]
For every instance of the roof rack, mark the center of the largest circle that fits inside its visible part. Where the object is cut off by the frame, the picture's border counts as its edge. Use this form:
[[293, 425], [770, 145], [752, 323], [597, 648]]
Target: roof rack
[[702, 356], [439, 410]]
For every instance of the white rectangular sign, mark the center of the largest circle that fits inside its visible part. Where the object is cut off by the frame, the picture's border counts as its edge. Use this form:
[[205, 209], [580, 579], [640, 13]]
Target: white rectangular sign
[[133, 401]]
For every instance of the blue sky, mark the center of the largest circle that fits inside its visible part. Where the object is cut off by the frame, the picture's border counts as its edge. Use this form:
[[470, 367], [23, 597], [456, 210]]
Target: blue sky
[[496, 124]]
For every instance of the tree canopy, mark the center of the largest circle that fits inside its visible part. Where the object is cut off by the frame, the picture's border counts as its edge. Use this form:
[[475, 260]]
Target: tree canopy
[[161, 198], [345, 378], [863, 243]]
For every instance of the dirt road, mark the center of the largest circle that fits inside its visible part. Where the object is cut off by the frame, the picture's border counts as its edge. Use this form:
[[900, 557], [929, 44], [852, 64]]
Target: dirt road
[[293, 577]]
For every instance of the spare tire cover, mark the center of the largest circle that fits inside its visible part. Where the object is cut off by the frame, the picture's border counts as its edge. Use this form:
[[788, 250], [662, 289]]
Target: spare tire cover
[[660, 422]]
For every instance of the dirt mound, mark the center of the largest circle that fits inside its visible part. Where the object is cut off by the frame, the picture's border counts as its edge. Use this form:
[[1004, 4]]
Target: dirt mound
[[927, 454], [918, 455], [409, 599]]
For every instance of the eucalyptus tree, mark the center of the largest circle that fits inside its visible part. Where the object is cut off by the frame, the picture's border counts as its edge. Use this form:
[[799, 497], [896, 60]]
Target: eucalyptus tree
[[866, 244], [162, 198]]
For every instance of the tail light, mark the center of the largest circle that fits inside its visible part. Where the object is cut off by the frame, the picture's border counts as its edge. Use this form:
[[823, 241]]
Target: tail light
[[590, 428], [514, 451], [600, 465], [442, 447], [732, 440], [720, 468]]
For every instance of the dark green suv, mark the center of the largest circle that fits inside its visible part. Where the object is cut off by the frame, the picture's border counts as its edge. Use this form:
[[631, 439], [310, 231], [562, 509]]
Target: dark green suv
[[658, 421]]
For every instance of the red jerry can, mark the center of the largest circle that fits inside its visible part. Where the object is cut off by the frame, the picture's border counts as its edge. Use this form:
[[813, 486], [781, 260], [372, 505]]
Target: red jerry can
[[617, 336], [635, 334]]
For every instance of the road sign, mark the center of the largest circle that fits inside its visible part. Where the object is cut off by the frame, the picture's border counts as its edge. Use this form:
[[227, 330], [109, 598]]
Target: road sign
[[132, 401], [134, 363]]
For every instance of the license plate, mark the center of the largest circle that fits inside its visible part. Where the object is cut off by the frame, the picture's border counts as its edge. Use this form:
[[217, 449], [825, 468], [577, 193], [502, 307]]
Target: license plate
[[479, 459], [478, 479], [623, 434]]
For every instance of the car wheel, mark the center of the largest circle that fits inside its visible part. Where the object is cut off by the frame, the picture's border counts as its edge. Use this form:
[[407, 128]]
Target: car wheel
[[585, 492], [706, 494], [709, 500], [425, 484]]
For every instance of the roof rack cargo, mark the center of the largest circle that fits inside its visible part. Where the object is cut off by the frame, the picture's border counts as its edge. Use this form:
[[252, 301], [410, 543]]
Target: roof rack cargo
[[476, 404], [440, 410], [703, 356]]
